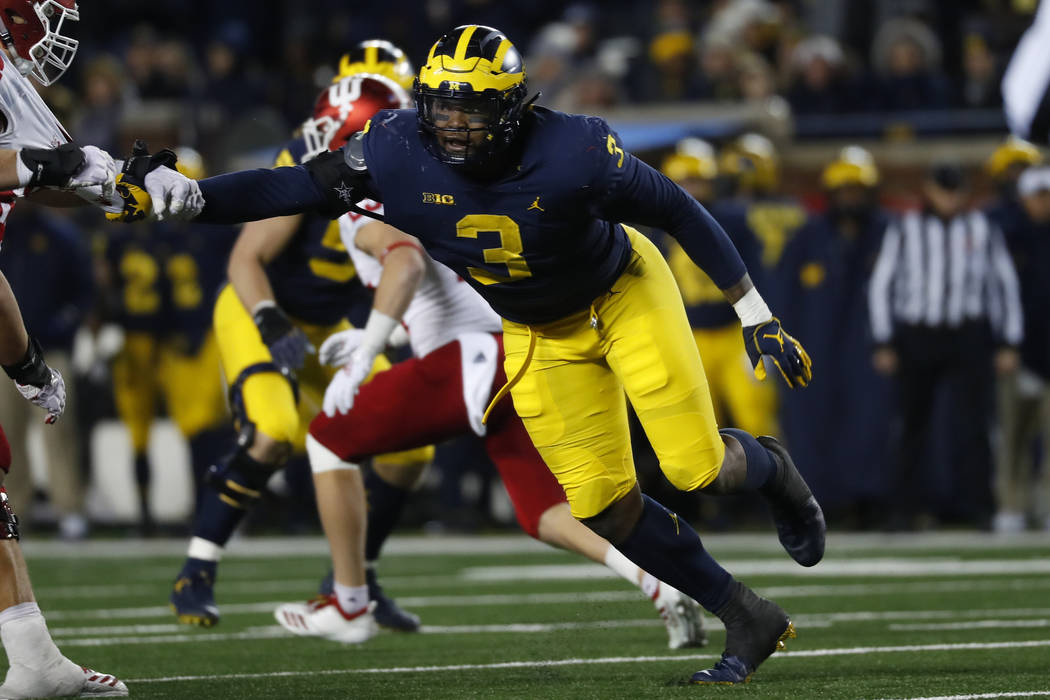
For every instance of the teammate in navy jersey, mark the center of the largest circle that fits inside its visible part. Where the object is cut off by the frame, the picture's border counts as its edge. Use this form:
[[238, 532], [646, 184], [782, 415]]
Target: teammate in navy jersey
[[522, 202]]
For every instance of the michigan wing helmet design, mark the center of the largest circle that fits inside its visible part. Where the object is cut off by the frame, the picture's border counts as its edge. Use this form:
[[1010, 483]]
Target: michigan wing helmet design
[[477, 71], [377, 57], [345, 107]]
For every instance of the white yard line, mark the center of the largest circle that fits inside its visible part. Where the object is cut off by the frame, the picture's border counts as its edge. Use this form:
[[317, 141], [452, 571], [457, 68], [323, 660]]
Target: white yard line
[[414, 545], [971, 625], [894, 567], [982, 696], [849, 651]]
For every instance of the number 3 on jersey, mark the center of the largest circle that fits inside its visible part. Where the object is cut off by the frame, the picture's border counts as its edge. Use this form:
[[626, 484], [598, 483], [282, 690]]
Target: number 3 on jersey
[[509, 252]]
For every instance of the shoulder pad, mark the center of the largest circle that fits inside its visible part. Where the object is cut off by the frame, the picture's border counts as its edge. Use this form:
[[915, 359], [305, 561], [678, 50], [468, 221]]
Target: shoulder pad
[[354, 153]]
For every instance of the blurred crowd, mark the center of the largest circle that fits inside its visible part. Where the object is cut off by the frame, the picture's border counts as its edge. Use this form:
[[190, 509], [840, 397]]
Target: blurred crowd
[[234, 79]]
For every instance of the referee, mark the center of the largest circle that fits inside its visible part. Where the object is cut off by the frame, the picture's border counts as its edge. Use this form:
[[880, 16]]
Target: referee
[[945, 310]]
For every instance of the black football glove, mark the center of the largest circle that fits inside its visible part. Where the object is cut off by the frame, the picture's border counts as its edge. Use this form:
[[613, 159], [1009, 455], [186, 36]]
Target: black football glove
[[787, 353], [288, 345]]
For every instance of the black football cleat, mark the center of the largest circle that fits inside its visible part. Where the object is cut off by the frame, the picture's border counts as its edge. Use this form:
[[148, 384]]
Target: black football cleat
[[796, 513], [193, 598], [755, 628], [386, 611]]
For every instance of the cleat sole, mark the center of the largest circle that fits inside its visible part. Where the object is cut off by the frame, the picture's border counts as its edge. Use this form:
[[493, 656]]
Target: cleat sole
[[194, 620]]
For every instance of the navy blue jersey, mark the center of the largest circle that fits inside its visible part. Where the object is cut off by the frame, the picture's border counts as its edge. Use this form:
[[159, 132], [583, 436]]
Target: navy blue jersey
[[139, 296], [543, 241], [313, 279], [193, 261]]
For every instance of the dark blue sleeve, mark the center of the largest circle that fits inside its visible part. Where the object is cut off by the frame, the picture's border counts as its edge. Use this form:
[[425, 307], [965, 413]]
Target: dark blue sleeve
[[251, 195], [643, 195]]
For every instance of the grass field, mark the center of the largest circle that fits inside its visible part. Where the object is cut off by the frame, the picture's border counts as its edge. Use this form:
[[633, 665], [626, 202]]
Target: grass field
[[914, 616]]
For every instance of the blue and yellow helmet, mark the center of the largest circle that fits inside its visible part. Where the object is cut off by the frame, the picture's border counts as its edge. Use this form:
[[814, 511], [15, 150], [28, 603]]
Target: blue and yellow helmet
[[377, 57], [473, 70]]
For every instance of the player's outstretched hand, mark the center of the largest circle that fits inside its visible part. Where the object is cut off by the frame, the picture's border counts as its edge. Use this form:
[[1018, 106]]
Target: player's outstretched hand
[[338, 348], [152, 189], [339, 396], [287, 344], [99, 169], [39, 384], [788, 355]]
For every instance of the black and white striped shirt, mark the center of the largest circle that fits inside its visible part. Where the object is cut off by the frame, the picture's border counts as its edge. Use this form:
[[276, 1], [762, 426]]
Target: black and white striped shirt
[[1026, 83], [942, 274]]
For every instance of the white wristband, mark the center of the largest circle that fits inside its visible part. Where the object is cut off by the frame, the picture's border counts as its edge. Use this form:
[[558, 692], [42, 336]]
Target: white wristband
[[752, 309], [377, 330]]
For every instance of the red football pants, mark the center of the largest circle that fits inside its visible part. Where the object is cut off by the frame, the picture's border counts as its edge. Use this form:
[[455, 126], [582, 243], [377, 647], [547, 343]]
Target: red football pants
[[420, 402]]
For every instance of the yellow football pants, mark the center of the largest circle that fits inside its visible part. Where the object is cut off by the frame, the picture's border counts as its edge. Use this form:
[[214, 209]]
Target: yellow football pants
[[740, 400], [268, 398], [570, 395], [190, 385]]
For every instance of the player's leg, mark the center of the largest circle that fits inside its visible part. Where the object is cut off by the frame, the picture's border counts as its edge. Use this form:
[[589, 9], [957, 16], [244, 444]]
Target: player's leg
[[540, 506], [134, 395], [265, 410], [412, 404], [649, 345], [195, 399], [646, 339], [37, 668]]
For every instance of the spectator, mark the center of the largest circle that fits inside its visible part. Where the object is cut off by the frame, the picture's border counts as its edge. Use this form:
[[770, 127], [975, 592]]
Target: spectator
[[49, 267], [819, 82], [822, 292], [1024, 397], [945, 309], [99, 119], [978, 88], [906, 56]]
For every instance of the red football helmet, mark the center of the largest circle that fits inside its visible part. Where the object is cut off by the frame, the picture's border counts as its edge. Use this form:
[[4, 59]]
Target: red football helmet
[[32, 33], [344, 108]]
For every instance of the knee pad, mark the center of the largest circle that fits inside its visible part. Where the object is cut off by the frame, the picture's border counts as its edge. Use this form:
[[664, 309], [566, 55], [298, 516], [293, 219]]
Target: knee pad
[[245, 427], [239, 479], [8, 519]]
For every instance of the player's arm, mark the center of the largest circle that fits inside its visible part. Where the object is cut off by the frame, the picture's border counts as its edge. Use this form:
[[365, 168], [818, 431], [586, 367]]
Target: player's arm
[[638, 193], [330, 184], [403, 268], [68, 166], [23, 360], [258, 244]]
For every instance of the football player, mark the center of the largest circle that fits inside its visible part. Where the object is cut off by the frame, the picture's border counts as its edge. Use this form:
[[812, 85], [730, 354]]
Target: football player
[[739, 398], [36, 153], [162, 279], [292, 284], [523, 203], [440, 394], [749, 164]]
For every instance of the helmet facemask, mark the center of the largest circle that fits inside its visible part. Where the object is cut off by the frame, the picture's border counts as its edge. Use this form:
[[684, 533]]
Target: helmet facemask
[[466, 128], [36, 42]]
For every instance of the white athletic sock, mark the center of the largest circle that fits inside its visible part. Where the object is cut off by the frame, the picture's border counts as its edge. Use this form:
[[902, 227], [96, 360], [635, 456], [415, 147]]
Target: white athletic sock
[[26, 639], [616, 561], [204, 549], [351, 598]]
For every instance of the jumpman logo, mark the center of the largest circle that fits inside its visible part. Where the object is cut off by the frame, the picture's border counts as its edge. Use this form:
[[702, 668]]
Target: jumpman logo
[[536, 205], [778, 336]]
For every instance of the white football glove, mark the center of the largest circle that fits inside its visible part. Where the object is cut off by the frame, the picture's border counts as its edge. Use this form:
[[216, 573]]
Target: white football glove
[[174, 195], [95, 195], [338, 348], [99, 168], [339, 396], [50, 397]]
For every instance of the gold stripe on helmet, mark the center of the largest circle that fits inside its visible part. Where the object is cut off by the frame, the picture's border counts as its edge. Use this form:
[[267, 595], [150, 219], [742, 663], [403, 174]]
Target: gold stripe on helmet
[[461, 45]]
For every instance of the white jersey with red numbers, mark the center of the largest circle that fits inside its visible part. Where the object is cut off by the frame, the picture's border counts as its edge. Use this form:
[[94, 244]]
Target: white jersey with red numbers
[[28, 123], [444, 307]]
